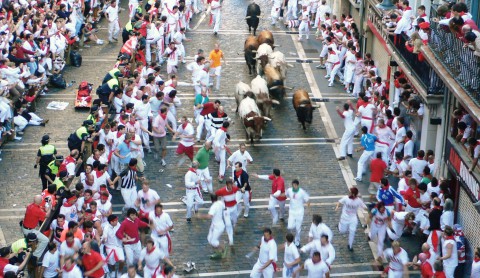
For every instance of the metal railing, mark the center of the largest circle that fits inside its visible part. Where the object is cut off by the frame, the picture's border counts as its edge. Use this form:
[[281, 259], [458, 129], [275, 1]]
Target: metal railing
[[459, 61], [421, 70]]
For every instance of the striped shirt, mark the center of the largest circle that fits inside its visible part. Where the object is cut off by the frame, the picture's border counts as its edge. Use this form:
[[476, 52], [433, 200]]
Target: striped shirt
[[129, 177], [217, 121]]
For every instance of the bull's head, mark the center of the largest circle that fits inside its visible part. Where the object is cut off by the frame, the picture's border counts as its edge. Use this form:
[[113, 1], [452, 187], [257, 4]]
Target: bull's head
[[258, 124], [305, 113]]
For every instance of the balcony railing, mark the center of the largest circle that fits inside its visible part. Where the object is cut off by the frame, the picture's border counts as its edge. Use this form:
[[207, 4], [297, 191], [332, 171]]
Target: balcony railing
[[421, 70], [459, 61]]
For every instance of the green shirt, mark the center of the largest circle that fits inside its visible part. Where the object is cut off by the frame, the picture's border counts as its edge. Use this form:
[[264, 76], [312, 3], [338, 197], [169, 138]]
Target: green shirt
[[199, 98], [203, 156]]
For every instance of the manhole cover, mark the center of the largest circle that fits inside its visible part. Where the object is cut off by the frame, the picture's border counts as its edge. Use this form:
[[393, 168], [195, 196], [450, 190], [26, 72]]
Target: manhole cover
[[310, 50]]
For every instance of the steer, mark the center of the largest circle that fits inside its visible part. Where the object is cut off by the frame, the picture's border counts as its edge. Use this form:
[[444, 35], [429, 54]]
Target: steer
[[274, 82], [253, 12], [250, 48], [303, 106], [260, 89], [277, 60], [241, 89], [252, 119], [266, 37], [263, 53]]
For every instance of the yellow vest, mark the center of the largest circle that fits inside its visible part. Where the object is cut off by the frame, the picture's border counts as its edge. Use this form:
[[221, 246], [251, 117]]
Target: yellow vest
[[58, 183], [112, 82], [19, 244], [129, 26], [53, 167], [114, 73], [81, 131], [92, 118], [47, 150]]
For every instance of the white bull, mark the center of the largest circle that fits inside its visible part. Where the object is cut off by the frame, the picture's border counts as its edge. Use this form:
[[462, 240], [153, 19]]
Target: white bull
[[263, 53], [277, 60], [253, 121], [260, 90], [240, 90]]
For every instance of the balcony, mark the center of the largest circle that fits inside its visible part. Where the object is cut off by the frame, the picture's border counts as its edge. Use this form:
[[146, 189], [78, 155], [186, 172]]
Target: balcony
[[422, 76]]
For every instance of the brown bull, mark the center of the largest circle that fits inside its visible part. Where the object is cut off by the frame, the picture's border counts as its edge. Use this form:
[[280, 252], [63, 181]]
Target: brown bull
[[303, 106], [254, 124], [266, 37], [250, 48], [274, 82]]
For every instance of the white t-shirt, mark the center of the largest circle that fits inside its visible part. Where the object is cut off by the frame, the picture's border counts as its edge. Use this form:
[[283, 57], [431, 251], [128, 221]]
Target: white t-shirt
[[291, 253], [297, 200], [348, 119], [350, 208], [104, 208], [152, 260], [237, 156], [74, 273], [475, 269], [453, 260], [315, 270], [51, 262], [417, 166], [397, 261], [160, 223], [112, 13], [151, 196], [216, 211], [109, 235], [268, 251], [317, 231], [65, 250], [401, 132], [102, 180], [408, 149], [187, 142], [367, 111]]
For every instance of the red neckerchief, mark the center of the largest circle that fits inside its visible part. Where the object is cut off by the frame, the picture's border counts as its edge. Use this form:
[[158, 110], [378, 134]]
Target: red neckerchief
[[70, 245], [387, 187], [184, 125], [151, 250], [88, 201], [163, 116], [423, 15], [238, 173], [437, 207], [476, 260], [449, 237], [119, 134], [427, 253], [461, 13], [68, 270], [98, 174], [268, 239], [134, 167], [220, 115], [192, 169], [224, 129], [408, 9]]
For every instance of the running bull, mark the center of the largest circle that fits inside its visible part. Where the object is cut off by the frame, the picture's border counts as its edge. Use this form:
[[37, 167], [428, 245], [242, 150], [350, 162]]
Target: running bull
[[253, 12], [303, 106], [252, 119]]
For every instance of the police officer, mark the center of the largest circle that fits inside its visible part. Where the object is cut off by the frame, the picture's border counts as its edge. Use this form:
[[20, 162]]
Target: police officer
[[106, 91], [52, 169], [81, 139], [45, 155], [61, 183], [112, 74]]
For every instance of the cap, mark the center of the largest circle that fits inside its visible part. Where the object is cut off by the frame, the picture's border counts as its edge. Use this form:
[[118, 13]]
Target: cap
[[59, 158], [31, 237], [45, 138], [424, 25], [87, 122]]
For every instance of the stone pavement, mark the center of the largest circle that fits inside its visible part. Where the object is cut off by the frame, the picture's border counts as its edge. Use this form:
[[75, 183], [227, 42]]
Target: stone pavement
[[305, 155]]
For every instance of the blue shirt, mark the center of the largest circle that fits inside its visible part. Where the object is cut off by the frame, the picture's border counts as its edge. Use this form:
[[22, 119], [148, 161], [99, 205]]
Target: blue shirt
[[124, 150], [388, 196], [368, 141]]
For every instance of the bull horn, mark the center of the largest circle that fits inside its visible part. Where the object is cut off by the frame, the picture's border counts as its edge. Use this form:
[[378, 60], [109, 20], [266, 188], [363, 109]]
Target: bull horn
[[249, 118], [238, 53], [254, 51], [288, 88], [247, 17], [267, 118], [290, 65], [275, 45], [316, 106], [302, 105], [273, 88], [274, 101]]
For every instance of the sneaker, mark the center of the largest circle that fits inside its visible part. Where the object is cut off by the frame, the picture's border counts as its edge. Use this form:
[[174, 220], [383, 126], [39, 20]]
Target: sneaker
[[245, 215], [297, 244], [299, 39], [341, 158], [327, 76], [163, 162], [320, 66], [358, 179], [350, 155], [216, 256], [115, 39], [350, 248], [215, 33], [18, 138], [330, 85], [189, 220], [149, 151], [205, 191]]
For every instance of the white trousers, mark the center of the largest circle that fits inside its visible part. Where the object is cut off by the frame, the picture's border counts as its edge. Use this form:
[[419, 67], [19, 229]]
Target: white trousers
[[272, 203], [148, 48], [395, 273], [149, 272], [378, 232], [362, 162], [162, 243], [129, 196], [246, 201], [291, 12], [133, 8], [304, 29], [335, 70], [113, 29], [172, 119], [397, 230], [275, 14], [357, 84], [220, 155], [295, 219], [230, 218], [200, 125], [194, 200], [132, 252], [346, 144], [214, 234], [449, 271], [384, 149], [217, 16], [218, 75], [266, 272], [350, 227], [204, 174]]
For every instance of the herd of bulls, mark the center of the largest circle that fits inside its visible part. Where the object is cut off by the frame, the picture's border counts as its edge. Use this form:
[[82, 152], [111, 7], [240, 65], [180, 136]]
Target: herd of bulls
[[255, 100]]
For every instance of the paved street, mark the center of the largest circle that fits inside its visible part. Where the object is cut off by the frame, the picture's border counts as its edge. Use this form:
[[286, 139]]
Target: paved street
[[309, 156]]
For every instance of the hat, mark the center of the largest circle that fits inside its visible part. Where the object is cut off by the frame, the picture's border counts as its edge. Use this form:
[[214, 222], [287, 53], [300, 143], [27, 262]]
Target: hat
[[59, 158], [87, 122], [424, 25], [31, 237], [18, 41], [45, 138]]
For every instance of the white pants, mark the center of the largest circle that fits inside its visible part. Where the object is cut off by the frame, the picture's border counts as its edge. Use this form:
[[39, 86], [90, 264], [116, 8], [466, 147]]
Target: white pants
[[295, 219], [181, 51], [204, 174], [132, 252], [397, 230], [350, 227], [149, 272], [335, 70], [118, 253], [346, 144], [246, 201], [113, 29], [275, 14], [129, 197], [349, 76], [214, 234], [220, 155], [291, 11], [133, 9], [22, 123], [357, 84], [272, 203], [145, 135], [194, 200], [362, 162], [230, 218], [148, 48], [217, 72], [200, 125], [217, 16], [42, 242], [384, 149], [172, 119], [303, 29], [368, 123], [449, 271], [378, 232], [267, 272], [288, 273], [162, 243], [395, 273]]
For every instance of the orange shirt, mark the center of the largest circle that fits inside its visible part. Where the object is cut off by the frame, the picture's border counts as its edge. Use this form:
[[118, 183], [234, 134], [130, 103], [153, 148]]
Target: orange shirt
[[215, 57], [78, 234]]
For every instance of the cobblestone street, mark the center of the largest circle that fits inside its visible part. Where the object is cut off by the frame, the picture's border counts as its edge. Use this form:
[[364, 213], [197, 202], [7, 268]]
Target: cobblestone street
[[309, 156]]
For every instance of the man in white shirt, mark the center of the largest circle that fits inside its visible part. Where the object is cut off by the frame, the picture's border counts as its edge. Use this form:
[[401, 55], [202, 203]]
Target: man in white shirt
[[318, 228], [367, 113], [216, 213], [291, 257], [275, 12], [327, 252], [417, 165], [298, 198], [385, 137], [50, 262], [113, 245], [131, 273], [398, 261], [216, 13], [346, 143], [153, 36], [267, 256], [113, 25], [315, 266], [348, 219], [219, 147], [333, 66], [186, 133], [69, 247], [178, 39], [240, 155], [194, 198], [161, 225], [171, 52], [400, 135], [408, 147], [304, 27], [152, 255], [147, 199]]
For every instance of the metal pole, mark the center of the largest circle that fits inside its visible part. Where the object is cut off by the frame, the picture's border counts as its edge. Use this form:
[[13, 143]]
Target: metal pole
[[361, 23]]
